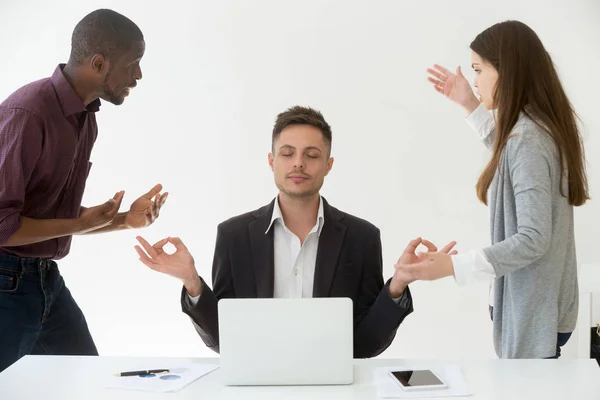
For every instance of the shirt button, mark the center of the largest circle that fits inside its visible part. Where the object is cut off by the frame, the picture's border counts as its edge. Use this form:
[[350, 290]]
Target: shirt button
[[296, 272]]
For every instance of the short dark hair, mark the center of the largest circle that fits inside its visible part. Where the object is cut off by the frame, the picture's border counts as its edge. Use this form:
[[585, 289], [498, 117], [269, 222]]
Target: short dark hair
[[299, 115], [103, 32]]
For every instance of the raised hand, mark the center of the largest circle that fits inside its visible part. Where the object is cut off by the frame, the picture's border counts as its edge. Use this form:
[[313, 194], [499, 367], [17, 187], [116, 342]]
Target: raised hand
[[454, 86], [144, 211], [93, 218]]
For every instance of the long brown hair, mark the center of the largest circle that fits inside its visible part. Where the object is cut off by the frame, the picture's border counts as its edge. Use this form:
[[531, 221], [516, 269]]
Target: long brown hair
[[528, 83]]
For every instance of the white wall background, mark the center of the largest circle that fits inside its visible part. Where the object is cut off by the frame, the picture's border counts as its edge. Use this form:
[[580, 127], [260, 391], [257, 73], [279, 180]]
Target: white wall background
[[215, 76]]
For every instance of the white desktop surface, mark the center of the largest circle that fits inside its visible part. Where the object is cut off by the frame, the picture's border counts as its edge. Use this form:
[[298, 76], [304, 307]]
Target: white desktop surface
[[78, 378]]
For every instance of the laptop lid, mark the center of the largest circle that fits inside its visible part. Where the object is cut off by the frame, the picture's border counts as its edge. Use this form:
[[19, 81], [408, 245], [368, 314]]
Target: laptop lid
[[305, 341]]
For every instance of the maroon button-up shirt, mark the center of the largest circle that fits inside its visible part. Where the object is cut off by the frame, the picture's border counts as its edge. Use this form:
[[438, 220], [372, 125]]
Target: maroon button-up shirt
[[46, 139]]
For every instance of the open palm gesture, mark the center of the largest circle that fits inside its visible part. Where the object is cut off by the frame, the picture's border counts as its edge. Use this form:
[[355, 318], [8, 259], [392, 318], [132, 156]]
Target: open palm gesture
[[144, 211], [454, 86]]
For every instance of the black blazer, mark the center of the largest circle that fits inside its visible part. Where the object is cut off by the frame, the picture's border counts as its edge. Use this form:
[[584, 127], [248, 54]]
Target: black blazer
[[349, 264]]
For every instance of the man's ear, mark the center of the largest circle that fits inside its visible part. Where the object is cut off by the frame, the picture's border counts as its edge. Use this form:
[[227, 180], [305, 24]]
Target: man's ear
[[99, 64], [329, 165], [271, 161]]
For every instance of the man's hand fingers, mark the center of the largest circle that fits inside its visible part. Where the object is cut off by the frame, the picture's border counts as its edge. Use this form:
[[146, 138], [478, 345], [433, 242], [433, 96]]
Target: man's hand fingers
[[146, 260], [149, 249], [158, 246], [153, 192], [177, 243], [430, 246], [448, 247]]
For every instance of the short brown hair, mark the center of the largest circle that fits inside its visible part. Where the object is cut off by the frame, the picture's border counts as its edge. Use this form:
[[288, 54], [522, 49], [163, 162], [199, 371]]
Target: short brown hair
[[299, 115]]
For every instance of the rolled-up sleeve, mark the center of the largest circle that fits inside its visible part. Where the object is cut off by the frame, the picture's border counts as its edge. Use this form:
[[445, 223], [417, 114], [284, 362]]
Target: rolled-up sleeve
[[21, 136]]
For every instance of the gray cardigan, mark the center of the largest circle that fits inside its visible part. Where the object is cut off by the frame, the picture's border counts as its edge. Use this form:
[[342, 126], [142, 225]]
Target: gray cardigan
[[533, 243]]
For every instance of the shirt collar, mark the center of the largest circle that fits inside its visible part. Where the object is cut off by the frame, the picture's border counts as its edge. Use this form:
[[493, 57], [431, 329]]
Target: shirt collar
[[70, 101], [278, 216]]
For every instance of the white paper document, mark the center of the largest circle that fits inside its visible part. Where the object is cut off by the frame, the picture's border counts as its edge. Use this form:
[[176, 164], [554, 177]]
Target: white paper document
[[450, 374], [176, 379]]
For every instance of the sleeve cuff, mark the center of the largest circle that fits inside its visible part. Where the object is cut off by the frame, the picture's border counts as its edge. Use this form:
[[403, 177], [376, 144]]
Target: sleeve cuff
[[193, 300], [471, 267], [463, 268], [402, 301], [478, 119], [190, 301]]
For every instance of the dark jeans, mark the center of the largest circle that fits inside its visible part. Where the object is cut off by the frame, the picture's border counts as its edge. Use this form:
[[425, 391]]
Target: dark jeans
[[37, 312], [561, 339]]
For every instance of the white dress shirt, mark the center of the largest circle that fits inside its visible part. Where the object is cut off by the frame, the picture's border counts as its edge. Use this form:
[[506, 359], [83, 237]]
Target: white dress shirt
[[294, 272], [294, 262], [474, 266]]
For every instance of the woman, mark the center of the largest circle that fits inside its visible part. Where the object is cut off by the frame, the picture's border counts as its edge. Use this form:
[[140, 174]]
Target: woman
[[535, 177]]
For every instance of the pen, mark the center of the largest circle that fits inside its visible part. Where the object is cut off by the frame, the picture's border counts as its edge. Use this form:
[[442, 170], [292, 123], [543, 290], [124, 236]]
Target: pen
[[146, 372]]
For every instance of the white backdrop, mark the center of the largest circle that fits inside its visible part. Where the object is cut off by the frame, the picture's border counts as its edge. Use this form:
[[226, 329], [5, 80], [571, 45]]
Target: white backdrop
[[215, 76]]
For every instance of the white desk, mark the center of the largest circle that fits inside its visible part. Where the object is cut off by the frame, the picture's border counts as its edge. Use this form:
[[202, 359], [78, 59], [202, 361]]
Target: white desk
[[77, 378]]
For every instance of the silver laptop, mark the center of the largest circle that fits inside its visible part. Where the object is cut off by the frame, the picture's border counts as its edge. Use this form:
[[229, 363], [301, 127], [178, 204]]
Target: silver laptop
[[286, 341]]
